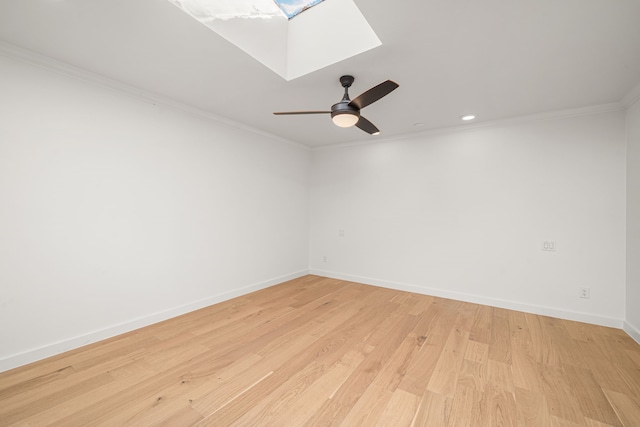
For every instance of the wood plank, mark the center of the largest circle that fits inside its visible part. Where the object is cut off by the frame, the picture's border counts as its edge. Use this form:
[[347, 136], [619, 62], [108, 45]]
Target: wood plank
[[593, 402], [566, 347], [481, 327], [465, 408], [627, 408], [433, 411], [499, 375], [400, 411], [532, 408], [525, 371], [432, 329], [560, 395], [445, 375], [500, 339], [473, 375], [476, 351], [498, 407], [544, 350], [366, 411]]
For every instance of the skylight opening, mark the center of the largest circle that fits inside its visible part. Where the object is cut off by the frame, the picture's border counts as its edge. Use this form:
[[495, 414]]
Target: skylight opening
[[292, 8], [266, 30]]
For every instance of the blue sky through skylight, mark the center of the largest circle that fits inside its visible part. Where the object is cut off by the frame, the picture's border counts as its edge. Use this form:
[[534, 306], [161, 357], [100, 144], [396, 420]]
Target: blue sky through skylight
[[292, 8]]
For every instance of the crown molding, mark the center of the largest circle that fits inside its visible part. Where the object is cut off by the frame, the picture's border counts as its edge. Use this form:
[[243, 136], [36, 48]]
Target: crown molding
[[33, 58], [550, 115], [632, 97], [45, 62]]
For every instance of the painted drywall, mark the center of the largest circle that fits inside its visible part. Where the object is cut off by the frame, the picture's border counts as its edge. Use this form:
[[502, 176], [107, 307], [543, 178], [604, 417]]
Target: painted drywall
[[464, 214], [632, 324], [117, 212]]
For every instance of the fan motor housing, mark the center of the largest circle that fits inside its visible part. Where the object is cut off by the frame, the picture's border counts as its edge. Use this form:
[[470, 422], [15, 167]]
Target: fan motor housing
[[344, 115], [344, 108]]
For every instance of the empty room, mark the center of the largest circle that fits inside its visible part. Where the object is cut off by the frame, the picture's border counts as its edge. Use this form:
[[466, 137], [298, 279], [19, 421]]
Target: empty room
[[320, 212]]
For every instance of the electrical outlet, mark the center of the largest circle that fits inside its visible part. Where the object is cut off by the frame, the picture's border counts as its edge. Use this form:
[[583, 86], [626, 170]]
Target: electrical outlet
[[549, 245], [324, 258], [585, 293]]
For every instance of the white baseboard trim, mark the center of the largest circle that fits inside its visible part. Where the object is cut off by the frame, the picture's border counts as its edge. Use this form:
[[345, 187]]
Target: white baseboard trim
[[53, 349], [477, 299], [632, 331]]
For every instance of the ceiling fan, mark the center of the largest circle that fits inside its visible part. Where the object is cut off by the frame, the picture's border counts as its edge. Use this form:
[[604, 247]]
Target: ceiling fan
[[346, 113]]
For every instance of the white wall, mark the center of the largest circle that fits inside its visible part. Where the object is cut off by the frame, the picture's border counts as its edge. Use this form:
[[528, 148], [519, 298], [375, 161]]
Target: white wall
[[632, 325], [115, 213], [463, 214]]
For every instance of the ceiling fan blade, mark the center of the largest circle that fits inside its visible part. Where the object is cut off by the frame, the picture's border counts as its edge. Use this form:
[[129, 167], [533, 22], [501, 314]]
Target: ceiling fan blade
[[284, 113], [367, 126], [373, 94]]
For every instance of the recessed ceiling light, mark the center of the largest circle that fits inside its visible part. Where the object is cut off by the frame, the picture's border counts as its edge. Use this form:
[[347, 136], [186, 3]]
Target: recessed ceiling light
[[417, 125], [467, 117]]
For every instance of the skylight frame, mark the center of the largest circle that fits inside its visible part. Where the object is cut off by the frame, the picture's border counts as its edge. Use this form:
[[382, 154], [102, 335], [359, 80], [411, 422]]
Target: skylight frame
[[293, 8]]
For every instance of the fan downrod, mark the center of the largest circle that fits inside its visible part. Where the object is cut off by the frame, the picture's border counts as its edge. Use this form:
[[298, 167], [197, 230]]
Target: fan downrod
[[346, 82]]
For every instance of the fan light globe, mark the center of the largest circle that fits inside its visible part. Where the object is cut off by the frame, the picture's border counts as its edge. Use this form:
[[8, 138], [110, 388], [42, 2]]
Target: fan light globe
[[345, 120]]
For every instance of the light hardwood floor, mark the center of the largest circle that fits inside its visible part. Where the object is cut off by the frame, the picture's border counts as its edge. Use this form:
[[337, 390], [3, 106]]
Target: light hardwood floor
[[318, 351]]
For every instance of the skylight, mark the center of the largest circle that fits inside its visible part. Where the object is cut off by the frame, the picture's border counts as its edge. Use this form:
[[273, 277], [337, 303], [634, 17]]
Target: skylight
[[292, 8], [290, 47]]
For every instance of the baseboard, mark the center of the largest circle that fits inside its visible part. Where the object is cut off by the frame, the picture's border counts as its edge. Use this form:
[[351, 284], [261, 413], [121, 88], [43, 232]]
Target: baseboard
[[53, 349], [632, 331], [477, 299]]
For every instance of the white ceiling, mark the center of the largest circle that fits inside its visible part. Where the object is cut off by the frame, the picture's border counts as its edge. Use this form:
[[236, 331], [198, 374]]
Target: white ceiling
[[495, 58]]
